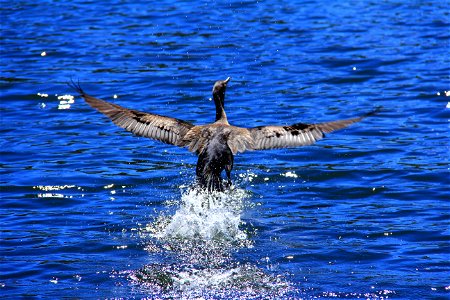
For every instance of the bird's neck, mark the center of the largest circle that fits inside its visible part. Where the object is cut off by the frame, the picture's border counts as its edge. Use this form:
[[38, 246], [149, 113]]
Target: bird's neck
[[219, 101]]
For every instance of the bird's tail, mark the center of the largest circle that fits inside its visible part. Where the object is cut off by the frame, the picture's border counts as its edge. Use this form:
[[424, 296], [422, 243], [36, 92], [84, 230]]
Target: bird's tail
[[210, 182]]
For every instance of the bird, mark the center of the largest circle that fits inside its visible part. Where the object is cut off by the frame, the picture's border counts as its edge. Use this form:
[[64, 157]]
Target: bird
[[216, 143]]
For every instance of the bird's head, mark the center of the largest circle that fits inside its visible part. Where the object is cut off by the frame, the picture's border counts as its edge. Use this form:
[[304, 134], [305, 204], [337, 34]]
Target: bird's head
[[219, 88]]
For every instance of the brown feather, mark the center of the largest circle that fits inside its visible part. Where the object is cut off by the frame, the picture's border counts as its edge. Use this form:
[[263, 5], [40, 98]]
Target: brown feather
[[165, 129], [271, 137]]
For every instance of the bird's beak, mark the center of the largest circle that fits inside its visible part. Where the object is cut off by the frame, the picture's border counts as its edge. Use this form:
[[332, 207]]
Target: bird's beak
[[228, 79]]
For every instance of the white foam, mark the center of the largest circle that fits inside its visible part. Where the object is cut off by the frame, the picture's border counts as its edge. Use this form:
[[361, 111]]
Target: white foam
[[184, 282], [247, 277], [214, 216]]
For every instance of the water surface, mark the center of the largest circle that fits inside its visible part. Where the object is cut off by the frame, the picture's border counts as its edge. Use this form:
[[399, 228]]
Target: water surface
[[89, 211]]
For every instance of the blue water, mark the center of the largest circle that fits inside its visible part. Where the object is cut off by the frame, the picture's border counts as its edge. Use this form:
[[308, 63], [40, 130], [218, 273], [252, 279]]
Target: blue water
[[90, 212]]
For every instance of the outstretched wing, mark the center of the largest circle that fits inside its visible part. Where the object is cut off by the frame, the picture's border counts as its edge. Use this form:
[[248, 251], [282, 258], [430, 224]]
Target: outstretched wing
[[161, 128], [299, 134]]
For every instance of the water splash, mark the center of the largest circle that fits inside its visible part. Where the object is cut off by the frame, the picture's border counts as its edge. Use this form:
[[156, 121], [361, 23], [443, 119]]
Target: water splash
[[189, 282], [198, 242], [205, 216]]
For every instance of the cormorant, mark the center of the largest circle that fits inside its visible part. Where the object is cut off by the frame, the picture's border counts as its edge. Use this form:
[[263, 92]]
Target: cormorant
[[215, 143]]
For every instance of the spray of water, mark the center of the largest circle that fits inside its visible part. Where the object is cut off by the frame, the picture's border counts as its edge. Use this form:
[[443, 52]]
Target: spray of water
[[205, 216], [199, 241]]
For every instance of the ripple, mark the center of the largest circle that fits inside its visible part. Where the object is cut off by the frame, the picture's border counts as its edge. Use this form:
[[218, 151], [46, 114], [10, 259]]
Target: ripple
[[89, 211]]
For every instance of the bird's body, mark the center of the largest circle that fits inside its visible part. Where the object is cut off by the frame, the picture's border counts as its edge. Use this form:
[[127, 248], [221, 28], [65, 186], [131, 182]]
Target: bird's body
[[215, 143], [215, 157]]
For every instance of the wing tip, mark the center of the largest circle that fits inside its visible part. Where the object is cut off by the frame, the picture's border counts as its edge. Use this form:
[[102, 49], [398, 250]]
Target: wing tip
[[76, 86], [373, 112]]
